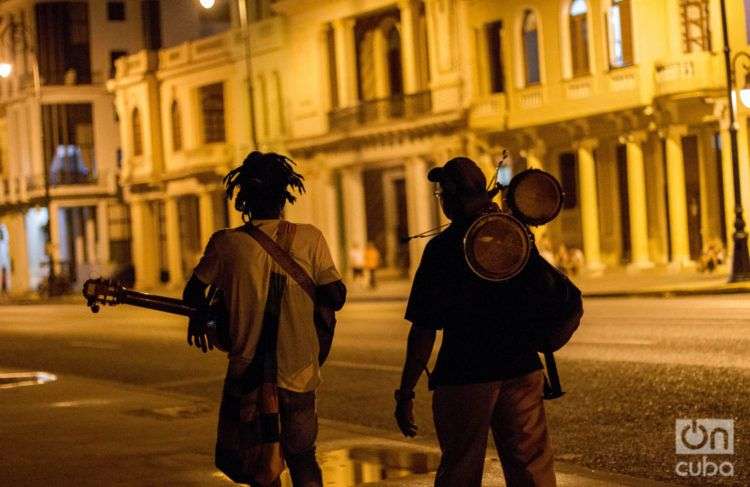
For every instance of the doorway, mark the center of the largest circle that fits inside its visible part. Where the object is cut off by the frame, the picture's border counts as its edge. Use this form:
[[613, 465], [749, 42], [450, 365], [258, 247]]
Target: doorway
[[691, 156]]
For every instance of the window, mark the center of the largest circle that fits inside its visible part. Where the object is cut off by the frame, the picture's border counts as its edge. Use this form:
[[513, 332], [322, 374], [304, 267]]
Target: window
[[530, 48], [116, 11], [114, 56], [494, 53], [176, 127], [395, 76], [212, 108], [620, 34], [579, 38], [696, 36], [68, 142], [63, 38], [137, 133]]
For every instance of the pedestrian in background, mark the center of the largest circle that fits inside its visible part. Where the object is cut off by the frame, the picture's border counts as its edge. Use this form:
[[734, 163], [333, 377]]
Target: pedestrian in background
[[372, 262], [488, 374], [357, 262]]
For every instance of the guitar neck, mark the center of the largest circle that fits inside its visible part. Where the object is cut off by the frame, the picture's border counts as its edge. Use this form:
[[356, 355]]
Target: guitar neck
[[158, 303]]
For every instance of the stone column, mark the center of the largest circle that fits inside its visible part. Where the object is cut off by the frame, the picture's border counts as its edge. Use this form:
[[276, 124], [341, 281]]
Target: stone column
[[418, 206], [54, 236], [678, 225], [206, 216], [102, 225], [19, 275], [346, 65], [637, 202], [78, 237], [589, 205], [355, 216], [143, 244], [89, 230], [408, 45], [174, 246]]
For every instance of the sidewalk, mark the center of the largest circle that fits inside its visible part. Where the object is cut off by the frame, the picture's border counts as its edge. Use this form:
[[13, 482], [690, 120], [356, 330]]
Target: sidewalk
[[76, 431], [656, 282]]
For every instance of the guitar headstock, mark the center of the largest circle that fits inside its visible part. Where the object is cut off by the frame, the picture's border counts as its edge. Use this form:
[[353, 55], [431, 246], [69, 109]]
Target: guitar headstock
[[101, 291]]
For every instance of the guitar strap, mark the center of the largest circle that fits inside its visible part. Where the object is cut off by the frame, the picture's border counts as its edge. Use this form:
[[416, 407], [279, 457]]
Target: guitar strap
[[280, 253]]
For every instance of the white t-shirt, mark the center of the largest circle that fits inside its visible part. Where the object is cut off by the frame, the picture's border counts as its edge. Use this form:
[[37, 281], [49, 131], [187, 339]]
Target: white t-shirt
[[235, 263]]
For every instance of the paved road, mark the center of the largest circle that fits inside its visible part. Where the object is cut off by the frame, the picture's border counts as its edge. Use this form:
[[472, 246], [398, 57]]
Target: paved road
[[634, 366]]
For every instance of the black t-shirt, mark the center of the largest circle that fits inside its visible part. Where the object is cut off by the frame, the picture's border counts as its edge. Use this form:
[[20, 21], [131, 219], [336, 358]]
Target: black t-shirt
[[485, 337]]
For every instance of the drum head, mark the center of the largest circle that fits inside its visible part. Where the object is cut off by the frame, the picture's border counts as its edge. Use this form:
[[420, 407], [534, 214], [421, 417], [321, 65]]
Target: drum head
[[497, 247], [534, 197]]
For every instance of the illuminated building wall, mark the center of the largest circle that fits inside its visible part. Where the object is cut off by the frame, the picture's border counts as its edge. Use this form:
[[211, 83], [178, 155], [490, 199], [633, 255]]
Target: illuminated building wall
[[622, 100]]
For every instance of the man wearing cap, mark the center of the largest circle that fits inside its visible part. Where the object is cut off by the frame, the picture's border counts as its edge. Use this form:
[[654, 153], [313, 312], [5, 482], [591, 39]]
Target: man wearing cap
[[488, 374]]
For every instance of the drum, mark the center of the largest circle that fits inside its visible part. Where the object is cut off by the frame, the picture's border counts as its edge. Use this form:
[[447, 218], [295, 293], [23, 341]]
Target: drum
[[534, 197], [497, 246]]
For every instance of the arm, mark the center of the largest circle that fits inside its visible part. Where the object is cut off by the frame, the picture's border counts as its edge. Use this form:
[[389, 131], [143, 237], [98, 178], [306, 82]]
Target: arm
[[329, 298], [418, 349], [195, 294]]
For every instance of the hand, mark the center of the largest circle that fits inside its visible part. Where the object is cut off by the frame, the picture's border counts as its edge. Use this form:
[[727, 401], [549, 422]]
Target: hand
[[198, 335], [405, 417]]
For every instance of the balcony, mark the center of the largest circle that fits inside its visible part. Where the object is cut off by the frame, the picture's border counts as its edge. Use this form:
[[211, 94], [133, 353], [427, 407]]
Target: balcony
[[690, 72], [381, 110]]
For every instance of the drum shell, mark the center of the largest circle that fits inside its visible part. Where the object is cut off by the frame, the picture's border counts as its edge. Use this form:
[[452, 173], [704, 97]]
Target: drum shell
[[534, 197], [497, 246]]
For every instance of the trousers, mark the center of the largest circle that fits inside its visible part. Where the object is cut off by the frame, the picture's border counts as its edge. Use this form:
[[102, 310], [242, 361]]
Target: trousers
[[513, 409]]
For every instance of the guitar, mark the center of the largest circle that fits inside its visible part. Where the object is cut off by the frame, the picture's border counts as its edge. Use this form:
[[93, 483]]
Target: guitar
[[107, 292]]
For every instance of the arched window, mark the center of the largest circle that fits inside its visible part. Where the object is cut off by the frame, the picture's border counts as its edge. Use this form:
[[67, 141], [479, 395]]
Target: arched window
[[531, 48], [579, 37], [619, 27], [137, 133], [395, 75], [176, 127]]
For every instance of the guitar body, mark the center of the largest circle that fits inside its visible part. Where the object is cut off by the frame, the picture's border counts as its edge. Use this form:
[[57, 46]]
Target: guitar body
[[214, 316]]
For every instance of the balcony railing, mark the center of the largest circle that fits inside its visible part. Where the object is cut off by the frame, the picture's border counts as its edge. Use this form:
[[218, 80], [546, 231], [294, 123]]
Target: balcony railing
[[61, 178], [381, 110]]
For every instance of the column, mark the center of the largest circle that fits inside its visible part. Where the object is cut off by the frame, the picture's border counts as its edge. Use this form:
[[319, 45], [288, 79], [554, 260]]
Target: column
[[102, 225], [143, 245], [533, 159], [206, 216], [727, 171], [53, 246], [235, 217], [678, 225], [346, 67], [19, 257], [355, 216], [78, 245], [408, 45], [589, 205], [419, 208], [174, 246], [89, 231], [637, 202]]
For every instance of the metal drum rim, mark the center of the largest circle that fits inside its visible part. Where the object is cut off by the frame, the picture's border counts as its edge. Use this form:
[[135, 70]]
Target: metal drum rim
[[482, 220], [534, 222]]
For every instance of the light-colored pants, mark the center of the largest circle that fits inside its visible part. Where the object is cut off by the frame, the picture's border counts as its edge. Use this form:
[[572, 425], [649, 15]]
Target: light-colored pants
[[514, 410]]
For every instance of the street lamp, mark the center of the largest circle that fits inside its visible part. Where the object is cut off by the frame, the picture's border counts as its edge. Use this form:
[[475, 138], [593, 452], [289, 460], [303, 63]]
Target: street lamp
[[740, 258], [242, 10], [745, 90]]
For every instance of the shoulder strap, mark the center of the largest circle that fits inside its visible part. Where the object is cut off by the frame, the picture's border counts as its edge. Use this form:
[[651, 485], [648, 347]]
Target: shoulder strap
[[282, 257]]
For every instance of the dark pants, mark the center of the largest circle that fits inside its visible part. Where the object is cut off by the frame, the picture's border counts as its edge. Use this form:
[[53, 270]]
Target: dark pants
[[514, 410]]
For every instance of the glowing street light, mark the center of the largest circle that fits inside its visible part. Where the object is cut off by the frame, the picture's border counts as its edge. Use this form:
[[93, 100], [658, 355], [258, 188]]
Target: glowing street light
[[5, 70], [744, 91], [207, 3]]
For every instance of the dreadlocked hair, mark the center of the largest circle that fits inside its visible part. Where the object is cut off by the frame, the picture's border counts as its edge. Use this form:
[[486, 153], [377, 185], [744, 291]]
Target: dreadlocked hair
[[263, 183]]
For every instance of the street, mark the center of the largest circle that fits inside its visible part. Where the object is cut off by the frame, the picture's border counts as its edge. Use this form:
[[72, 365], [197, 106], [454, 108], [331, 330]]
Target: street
[[634, 367]]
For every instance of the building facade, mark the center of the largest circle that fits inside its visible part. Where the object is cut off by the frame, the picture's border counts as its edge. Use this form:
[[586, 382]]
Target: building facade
[[623, 100]]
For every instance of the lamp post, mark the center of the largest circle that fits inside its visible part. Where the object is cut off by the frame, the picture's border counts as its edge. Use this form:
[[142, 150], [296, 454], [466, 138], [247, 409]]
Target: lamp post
[[19, 35], [243, 14], [740, 258]]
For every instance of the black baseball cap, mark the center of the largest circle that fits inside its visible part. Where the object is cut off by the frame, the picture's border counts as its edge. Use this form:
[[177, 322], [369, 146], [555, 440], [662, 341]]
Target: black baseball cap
[[462, 173]]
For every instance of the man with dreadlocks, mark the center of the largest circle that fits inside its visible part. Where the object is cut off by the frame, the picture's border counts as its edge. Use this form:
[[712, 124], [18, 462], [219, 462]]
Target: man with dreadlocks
[[238, 264]]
